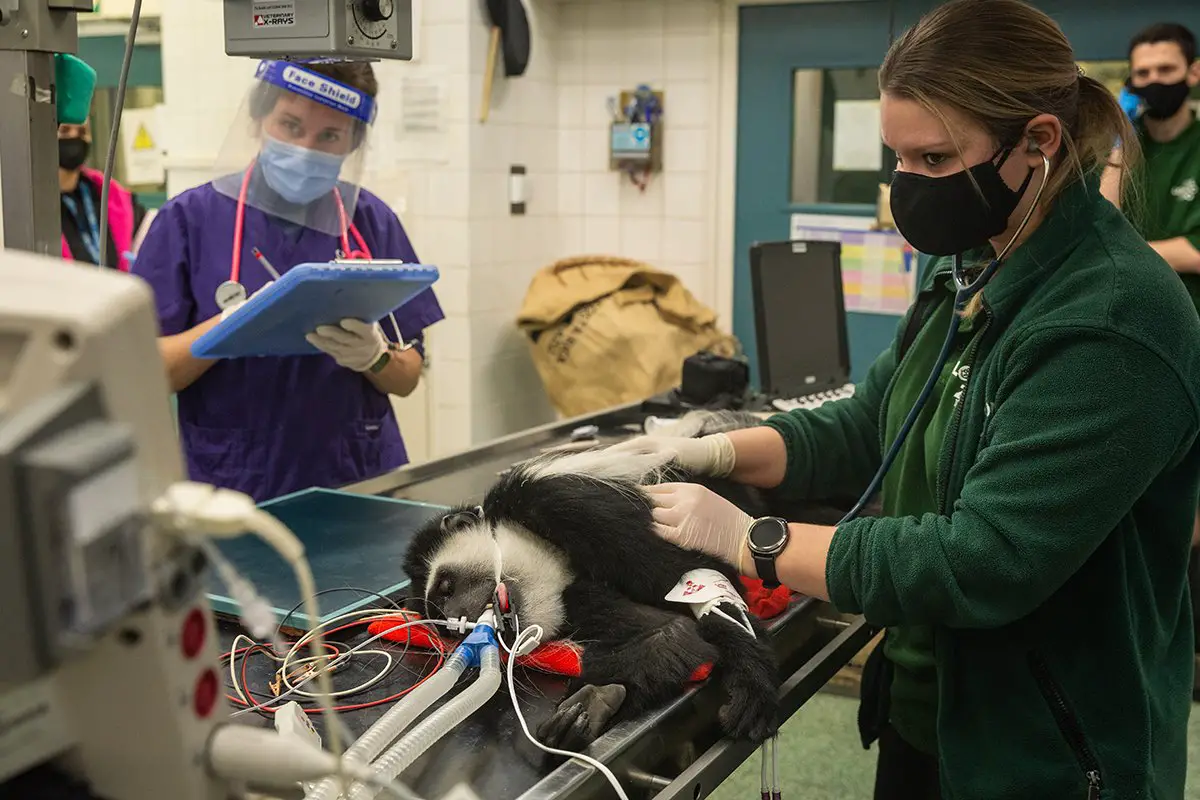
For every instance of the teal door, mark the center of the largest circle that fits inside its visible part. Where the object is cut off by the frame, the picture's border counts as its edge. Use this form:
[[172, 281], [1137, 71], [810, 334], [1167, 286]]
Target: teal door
[[775, 42], [845, 42]]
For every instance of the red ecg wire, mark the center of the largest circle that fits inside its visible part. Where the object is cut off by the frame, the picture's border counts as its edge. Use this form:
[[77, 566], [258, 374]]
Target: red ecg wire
[[245, 684]]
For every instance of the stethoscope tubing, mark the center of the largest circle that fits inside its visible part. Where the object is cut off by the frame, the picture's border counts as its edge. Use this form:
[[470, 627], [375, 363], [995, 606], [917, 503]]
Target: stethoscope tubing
[[964, 291]]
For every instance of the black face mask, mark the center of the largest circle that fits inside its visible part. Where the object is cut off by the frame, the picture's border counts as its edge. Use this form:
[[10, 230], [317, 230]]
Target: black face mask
[[1163, 100], [945, 216], [72, 153]]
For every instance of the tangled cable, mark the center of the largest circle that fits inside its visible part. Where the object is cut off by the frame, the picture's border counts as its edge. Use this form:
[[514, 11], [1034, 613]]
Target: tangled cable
[[295, 671]]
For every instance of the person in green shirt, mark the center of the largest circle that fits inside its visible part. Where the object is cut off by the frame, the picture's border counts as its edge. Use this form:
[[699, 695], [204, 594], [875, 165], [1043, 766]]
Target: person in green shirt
[[1029, 566], [1163, 71]]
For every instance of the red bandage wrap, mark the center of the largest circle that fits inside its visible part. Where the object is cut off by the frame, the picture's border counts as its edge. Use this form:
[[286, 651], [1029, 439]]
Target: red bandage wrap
[[566, 657]]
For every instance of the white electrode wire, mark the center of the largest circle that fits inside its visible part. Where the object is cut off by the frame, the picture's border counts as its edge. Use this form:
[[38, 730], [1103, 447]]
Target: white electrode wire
[[535, 632], [289, 547], [289, 660], [338, 661], [274, 531], [362, 615], [122, 82], [359, 689], [365, 615]]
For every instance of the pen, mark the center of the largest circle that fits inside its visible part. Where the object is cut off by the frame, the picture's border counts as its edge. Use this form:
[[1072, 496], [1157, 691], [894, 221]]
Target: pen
[[266, 264]]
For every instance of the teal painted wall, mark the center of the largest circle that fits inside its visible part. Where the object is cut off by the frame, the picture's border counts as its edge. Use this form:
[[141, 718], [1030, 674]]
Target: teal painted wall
[[776, 40], [104, 54]]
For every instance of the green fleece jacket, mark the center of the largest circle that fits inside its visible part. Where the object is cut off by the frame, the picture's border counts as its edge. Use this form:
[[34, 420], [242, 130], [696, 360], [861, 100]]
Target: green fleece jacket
[[1055, 574]]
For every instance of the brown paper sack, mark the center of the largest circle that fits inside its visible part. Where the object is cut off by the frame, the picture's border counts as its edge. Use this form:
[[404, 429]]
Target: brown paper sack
[[607, 331]]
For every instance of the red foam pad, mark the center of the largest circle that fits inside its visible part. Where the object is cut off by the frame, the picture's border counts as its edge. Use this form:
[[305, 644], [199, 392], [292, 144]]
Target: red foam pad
[[565, 657]]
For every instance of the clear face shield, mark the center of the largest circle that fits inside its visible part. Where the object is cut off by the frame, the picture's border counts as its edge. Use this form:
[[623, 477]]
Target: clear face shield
[[297, 146]]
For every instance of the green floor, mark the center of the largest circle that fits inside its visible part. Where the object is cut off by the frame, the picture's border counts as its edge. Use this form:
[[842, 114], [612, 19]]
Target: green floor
[[820, 757]]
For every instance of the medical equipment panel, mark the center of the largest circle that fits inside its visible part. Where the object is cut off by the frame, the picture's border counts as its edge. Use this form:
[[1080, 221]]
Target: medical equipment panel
[[105, 621], [299, 29]]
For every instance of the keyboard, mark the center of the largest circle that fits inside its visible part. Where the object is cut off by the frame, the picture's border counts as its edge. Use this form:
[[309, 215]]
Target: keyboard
[[813, 400]]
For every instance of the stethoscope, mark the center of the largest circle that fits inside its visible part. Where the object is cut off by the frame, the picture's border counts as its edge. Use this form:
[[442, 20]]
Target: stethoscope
[[90, 237], [964, 290], [232, 291]]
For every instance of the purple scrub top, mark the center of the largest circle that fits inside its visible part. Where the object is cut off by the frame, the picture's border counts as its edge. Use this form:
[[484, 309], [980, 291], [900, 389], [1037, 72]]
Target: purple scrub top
[[271, 426]]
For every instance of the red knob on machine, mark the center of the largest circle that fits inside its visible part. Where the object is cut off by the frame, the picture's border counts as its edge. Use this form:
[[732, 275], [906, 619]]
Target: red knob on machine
[[204, 698], [195, 630]]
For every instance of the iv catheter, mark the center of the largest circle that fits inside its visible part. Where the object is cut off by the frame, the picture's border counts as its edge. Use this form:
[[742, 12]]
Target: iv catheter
[[964, 291]]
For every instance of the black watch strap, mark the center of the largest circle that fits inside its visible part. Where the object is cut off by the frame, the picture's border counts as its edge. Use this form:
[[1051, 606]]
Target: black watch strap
[[765, 567], [381, 362], [766, 539]]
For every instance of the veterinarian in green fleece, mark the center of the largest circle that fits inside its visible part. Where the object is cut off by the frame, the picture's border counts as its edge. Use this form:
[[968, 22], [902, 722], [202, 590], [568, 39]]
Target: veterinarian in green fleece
[[1030, 563]]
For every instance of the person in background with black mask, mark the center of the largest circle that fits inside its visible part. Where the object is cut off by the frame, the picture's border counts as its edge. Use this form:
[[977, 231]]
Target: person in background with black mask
[[1030, 561], [1163, 71], [81, 190]]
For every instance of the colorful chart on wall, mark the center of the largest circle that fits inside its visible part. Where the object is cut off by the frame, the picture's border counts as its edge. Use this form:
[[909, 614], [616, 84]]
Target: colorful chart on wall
[[879, 268]]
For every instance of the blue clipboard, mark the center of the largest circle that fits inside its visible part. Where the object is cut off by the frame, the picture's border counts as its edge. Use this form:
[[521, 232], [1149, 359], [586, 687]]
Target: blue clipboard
[[275, 321]]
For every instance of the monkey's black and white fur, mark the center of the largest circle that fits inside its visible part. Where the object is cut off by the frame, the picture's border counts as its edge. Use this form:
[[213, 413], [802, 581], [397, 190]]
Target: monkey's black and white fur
[[581, 559]]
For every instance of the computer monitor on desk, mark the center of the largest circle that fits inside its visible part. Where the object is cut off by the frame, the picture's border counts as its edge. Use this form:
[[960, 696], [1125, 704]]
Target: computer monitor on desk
[[800, 322]]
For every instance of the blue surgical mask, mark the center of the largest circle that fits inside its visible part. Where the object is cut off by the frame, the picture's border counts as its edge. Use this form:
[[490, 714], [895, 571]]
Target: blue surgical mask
[[298, 174]]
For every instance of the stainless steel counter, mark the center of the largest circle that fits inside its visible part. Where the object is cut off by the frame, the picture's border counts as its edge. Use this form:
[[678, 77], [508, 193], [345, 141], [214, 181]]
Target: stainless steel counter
[[674, 753]]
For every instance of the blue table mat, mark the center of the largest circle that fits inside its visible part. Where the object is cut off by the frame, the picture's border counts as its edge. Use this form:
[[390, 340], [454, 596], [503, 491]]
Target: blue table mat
[[351, 540]]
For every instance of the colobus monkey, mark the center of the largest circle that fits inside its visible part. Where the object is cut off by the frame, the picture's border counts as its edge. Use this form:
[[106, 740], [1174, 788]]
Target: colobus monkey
[[580, 558]]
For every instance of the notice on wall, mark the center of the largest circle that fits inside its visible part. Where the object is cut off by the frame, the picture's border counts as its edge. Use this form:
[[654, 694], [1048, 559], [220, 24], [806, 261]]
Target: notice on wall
[[856, 145], [273, 13], [421, 129], [141, 147], [879, 268]]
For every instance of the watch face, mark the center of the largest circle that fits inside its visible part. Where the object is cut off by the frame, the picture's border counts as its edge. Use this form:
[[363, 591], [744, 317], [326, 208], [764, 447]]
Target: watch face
[[768, 535]]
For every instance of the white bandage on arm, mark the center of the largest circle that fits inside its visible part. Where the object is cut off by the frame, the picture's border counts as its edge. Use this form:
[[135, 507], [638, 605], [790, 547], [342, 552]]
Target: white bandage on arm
[[704, 590]]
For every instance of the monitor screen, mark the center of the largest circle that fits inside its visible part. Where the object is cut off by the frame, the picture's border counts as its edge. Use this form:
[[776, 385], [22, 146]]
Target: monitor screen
[[800, 318]]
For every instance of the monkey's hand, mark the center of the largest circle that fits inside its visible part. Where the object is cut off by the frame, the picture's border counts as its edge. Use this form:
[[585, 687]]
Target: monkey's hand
[[582, 717]]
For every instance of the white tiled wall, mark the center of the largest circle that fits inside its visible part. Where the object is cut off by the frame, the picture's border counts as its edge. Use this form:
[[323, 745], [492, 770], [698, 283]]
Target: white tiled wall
[[506, 250], [453, 198], [554, 120], [605, 46]]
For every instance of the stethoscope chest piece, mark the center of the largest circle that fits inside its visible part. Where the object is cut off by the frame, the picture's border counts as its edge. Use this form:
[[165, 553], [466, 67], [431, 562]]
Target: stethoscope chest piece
[[230, 293]]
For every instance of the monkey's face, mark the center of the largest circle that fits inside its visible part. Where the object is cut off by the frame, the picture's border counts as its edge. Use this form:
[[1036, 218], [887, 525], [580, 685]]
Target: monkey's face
[[460, 589], [461, 573]]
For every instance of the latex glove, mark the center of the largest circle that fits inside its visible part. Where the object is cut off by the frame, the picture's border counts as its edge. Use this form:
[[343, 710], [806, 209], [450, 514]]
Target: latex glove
[[696, 518], [711, 455], [354, 344], [225, 313], [1131, 104]]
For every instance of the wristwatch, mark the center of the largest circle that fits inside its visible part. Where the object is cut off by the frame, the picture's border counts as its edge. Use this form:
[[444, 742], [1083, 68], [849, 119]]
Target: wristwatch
[[767, 538], [383, 359]]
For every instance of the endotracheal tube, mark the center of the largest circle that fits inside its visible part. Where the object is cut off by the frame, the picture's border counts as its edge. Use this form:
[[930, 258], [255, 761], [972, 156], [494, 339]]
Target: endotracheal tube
[[480, 649]]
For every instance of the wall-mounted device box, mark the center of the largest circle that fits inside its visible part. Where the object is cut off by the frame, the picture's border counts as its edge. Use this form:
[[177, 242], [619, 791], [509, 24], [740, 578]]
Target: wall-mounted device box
[[294, 29], [635, 141]]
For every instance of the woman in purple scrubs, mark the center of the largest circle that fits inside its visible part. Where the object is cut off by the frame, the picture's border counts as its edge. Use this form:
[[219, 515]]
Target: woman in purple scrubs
[[271, 426]]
